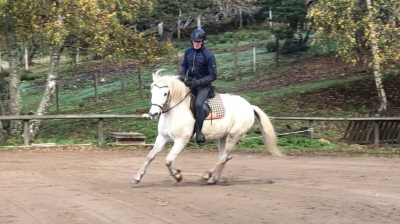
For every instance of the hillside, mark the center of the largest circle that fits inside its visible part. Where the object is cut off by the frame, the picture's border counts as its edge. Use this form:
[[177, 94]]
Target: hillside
[[305, 84]]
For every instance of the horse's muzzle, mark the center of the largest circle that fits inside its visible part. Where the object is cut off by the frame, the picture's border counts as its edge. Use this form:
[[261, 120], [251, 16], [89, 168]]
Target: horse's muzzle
[[154, 116]]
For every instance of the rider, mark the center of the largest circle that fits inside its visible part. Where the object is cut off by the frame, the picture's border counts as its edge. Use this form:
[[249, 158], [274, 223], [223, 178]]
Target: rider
[[199, 64]]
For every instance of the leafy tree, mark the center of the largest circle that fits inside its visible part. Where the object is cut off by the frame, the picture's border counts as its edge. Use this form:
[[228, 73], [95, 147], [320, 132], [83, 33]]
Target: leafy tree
[[170, 11], [365, 32], [98, 26], [291, 14], [10, 17]]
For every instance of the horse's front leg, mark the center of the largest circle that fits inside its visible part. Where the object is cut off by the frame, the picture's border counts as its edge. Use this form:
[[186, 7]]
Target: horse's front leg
[[158, 146], [171, 157]]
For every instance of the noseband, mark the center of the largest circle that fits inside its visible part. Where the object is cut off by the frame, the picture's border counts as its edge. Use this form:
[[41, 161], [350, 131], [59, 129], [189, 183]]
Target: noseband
[[163, 107]]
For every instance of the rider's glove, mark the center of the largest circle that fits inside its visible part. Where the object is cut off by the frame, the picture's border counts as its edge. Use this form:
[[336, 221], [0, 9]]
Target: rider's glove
[[192, 84], [182, 78]]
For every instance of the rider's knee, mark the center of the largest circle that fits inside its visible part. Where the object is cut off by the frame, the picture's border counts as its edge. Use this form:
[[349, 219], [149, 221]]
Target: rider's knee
[[198, 105]]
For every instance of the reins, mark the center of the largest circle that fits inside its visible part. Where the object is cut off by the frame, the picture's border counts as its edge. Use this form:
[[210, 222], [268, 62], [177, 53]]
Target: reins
[[169, 98]]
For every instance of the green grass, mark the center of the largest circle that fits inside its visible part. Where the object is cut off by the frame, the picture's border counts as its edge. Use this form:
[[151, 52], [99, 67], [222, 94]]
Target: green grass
[[80, 100], [287, 143], [78, 97]]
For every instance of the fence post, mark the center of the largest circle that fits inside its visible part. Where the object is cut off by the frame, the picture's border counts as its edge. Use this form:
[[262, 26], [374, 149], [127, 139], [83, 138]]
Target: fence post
[[26, 59], [241, 18], [57, 97], [277, 53], [101, 137], [26, 132], [77, 55], [160, 29], [235, 57], [140, 83], [198, 22], [311, 129], [122, 80], [376, 134], [254, 60], [179, 28], [178, 56], [270, 17]]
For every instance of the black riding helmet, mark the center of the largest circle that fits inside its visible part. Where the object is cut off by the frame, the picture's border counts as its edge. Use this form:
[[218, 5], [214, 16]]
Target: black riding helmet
[[198, 35]]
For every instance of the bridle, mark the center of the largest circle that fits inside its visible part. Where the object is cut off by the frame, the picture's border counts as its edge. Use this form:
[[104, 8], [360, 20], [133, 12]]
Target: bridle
[[164, 107]]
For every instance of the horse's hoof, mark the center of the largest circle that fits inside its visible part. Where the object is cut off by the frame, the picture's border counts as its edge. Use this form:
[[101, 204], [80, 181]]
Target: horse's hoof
[[178, 177], [134, 181], [279, 155], [206, 176], [211, 181]]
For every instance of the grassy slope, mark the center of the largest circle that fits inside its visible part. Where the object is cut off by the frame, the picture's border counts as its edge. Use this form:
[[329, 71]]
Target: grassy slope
[[280, 100]]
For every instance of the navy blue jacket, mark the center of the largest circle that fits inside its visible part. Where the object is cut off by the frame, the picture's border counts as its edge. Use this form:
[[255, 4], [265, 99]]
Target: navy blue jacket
[[201, 65]]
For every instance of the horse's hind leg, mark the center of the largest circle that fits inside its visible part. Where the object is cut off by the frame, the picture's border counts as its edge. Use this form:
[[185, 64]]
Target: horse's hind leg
[[158, 146], [225, 147], [221, 148]]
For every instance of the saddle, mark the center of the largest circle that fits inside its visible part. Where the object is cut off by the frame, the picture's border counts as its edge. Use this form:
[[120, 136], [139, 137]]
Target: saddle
[[213, 106]]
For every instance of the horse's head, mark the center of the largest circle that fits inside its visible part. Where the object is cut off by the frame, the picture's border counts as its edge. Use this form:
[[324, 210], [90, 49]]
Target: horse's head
[[164, 90]]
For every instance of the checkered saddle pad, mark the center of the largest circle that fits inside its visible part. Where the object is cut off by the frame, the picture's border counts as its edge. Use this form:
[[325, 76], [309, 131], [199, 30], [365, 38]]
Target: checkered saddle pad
[[217, 107]]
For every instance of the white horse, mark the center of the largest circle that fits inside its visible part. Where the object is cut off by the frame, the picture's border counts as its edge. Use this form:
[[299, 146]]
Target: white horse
[[171, 101]]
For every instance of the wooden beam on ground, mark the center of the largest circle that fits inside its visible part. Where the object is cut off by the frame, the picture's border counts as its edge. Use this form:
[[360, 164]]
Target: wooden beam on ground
[[128, 138]]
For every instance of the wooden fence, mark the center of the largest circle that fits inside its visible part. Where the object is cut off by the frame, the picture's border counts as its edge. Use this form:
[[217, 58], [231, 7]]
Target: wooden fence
[[101, 117], [362, 130], [379, 130]]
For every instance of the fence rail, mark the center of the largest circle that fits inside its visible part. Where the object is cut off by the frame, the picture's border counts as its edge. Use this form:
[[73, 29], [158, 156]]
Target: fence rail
[[377, 126], [338, 118], [26, 118]]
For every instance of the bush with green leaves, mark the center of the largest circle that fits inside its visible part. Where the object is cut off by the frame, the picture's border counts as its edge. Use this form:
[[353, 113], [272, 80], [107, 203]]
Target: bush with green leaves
[[271, 46]]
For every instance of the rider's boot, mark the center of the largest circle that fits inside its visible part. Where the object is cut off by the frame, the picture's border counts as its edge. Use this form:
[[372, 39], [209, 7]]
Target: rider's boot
[[199, 135]]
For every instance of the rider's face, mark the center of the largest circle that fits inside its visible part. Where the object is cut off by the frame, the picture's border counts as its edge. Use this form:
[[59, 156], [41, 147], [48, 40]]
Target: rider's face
[[197, 44]]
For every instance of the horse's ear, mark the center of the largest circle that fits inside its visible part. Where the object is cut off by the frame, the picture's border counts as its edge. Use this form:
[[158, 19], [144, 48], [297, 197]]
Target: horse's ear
[[155, 77]]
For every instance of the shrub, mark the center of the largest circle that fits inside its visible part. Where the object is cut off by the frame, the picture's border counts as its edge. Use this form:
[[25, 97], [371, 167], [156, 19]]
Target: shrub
[[271, 46]]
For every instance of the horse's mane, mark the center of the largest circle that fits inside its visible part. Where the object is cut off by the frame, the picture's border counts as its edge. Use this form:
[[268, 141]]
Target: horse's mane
[[177, 88]]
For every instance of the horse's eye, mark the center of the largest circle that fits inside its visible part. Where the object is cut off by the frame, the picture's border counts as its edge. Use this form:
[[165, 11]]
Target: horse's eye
[[165, 94]]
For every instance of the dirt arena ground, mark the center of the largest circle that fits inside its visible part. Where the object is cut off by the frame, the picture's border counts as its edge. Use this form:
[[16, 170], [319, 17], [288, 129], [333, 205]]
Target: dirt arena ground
[[93, 187]]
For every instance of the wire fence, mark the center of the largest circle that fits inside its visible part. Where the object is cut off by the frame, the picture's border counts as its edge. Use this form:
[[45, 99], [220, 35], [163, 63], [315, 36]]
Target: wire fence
[[130, 83], [237, 57]]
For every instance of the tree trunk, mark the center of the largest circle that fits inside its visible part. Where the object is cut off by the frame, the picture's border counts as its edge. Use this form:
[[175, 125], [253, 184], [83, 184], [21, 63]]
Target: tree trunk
[[307, 37], [4, 97], [46, 102], [277, 52], [377, 71], [299, 33], [15, 79], [309, 24], [188, 21], [167, 32], [51, 86], [32, 49]]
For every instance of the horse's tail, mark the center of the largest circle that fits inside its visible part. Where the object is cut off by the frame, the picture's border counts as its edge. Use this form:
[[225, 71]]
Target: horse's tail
[[268, 132]]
